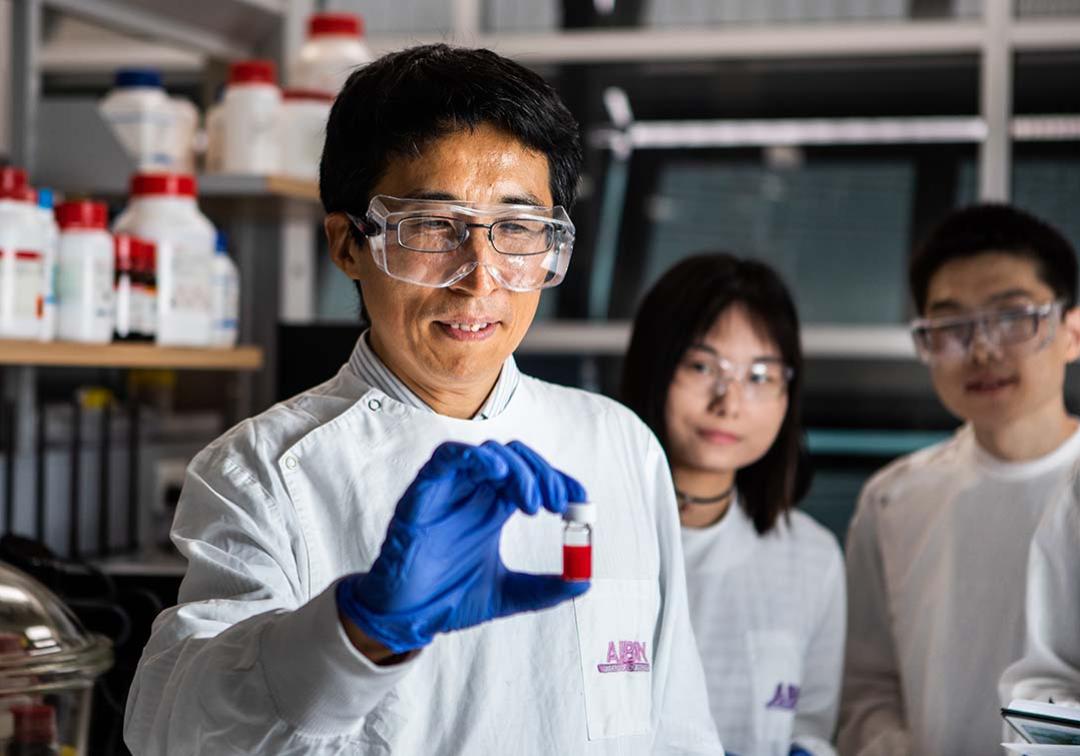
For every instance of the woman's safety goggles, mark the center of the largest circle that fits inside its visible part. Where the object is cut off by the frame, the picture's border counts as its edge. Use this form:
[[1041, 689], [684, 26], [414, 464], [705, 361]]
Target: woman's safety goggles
[[1016, 330], [424, 241]]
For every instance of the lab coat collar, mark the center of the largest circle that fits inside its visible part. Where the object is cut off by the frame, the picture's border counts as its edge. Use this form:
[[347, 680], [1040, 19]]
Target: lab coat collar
[[367, 366]]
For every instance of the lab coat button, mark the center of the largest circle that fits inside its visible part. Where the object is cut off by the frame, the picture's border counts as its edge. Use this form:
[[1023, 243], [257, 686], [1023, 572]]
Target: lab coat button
[[290, 462], [374, 405]]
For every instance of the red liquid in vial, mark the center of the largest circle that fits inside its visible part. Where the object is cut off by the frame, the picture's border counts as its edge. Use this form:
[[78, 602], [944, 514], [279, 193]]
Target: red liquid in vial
[[576, 562]]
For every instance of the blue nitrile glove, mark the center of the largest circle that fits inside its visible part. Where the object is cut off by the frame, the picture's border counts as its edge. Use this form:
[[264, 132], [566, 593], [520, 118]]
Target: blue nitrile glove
[[797, 750], [439, 568]]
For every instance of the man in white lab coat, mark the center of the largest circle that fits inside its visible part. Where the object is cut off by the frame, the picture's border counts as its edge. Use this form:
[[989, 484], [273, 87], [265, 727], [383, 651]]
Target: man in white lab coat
[[938, 548], [370, 562], [1050, 668]]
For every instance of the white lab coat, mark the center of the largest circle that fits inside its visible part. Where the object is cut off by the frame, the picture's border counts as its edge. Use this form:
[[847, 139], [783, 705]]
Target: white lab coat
[[769, 613], [254, 659], [936, 563], [1050, 667]]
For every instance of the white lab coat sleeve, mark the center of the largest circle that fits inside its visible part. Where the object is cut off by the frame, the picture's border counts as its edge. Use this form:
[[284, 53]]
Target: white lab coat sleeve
[[1050, 667], [685, 724], [819, 697], [872, 719], [247, 662]]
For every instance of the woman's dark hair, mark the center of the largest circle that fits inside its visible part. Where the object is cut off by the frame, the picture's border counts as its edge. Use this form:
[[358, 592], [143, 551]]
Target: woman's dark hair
[[986, 228], [677, 312], [397, 104]]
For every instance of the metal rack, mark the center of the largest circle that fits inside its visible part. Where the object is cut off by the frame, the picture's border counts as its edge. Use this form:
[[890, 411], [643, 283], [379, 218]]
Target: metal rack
[[261, 213]]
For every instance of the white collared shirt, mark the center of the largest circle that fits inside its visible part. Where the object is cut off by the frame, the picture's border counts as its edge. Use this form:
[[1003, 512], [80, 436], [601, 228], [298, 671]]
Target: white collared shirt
[[937, 562], [254, 659]]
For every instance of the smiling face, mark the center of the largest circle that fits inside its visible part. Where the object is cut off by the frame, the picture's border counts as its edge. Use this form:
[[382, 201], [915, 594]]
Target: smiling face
[[452, 339], [994, 387], [711, 433]]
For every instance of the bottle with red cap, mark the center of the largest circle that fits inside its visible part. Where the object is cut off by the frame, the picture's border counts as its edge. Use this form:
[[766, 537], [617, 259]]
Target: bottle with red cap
[[163, 210], [334, 48], [22, 258], [304, 113], [136, 289], [84, 280], [252, 110]]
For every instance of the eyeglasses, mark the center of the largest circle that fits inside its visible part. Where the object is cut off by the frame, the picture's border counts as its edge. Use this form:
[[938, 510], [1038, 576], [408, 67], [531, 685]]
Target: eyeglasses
[[1017, 330], [761, 380], [423, 241]]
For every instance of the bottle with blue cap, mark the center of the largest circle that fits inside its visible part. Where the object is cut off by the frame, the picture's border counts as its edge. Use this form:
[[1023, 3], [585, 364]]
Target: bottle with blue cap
[[225, 296], [141, 116]]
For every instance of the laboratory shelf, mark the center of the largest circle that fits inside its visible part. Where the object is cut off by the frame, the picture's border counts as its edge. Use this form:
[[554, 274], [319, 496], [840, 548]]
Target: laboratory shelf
[[831, 40], [568, 337], [226, 29], [226, 185], [158, 564], [125, 355]]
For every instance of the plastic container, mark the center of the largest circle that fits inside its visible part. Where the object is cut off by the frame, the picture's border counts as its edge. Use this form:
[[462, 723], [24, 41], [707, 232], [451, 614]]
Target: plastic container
[[136, 289], [226, 296], [252, 110], [163, 210], [213, 160], [22, 258], [51, 229], [577, 541], [304, 113], [85, 275], [48, 664], [141, 116], [334, 48], [178, 141]]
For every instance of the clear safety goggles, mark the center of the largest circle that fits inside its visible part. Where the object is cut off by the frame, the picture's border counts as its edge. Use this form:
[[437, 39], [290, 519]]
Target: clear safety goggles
[[423, 241], [1018, 331], [709, 375]]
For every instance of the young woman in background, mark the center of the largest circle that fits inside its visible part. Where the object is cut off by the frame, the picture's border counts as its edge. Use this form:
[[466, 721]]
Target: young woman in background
[[714, 368]]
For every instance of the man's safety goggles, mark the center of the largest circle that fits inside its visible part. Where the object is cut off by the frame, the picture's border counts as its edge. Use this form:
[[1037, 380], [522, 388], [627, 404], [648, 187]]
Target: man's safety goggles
[[423, 241], [1017, 330]]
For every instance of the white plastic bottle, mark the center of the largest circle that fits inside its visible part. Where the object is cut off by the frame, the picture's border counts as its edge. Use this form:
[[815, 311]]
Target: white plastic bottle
[[47, 218], [22, 253], [304, 114], [214, 161], [334, 48], [85, 275], [163, 210], [252, 109], [179, 140], [226, 296], [141, 116]]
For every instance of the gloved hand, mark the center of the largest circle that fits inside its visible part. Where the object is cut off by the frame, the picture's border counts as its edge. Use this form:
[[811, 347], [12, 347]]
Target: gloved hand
[[439, 568]]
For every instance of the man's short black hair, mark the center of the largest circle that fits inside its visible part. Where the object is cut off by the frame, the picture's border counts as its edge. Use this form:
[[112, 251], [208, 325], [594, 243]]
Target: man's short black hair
[[979, 229], [399, 103]]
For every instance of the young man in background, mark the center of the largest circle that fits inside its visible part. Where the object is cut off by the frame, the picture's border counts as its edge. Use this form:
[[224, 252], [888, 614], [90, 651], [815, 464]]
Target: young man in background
[[938, 547]]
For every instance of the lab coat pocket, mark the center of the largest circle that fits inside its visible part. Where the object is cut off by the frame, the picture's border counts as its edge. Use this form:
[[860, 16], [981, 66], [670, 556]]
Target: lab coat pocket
[[616, 626], [776, 661]]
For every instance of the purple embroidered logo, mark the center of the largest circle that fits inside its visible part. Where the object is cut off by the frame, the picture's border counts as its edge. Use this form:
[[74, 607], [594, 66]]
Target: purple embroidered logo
[[628, 656], [785, 697]]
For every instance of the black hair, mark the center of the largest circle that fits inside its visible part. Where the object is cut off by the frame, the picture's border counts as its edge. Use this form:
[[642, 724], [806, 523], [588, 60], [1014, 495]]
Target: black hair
[[677, 312], [979, 229], [398, 104]]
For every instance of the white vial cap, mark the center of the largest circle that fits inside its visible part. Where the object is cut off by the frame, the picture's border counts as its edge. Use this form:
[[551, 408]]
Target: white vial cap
[[580, 512]]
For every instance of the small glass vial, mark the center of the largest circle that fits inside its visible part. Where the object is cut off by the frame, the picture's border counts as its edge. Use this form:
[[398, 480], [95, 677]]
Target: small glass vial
[[577, 540]]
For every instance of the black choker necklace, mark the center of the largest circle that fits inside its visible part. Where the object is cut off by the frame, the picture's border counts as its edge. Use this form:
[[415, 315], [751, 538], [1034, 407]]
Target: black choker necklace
[[686, 499]]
